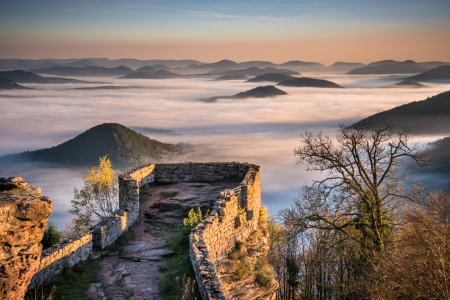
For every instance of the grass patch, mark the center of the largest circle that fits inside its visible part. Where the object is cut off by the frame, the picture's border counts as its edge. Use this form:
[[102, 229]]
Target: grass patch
[[178, 278], [71, 284], [170, 194]]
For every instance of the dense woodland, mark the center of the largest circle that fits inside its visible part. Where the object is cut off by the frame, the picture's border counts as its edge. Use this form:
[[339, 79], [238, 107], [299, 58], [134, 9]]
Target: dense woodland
[[430, 116], [123, 146], [359, 233]]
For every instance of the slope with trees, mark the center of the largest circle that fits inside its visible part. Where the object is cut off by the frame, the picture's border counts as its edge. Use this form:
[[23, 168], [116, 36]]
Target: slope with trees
[[8, 84], [271, 77], [141, 75], [258, 92], [441, 73], [333, 242], [124, 147], [429, 116], [22, 76]]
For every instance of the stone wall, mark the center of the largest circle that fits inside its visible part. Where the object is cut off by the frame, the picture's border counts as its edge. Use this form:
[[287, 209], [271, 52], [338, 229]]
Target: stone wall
[[78, 248], [60, 256], [234, 217], [24, 213]]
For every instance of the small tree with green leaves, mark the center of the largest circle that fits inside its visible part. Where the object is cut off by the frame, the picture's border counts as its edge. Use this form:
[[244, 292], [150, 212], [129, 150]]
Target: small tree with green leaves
[[97, 199], [51, 236]]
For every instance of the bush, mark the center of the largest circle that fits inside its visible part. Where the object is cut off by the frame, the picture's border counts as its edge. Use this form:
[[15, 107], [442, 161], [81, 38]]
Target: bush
[[51, 236], [191, 221], [262, 215], [264, 274], [238, 252]]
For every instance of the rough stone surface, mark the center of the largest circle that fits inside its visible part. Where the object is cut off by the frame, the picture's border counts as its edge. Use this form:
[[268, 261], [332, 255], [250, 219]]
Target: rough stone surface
[[24, 213]]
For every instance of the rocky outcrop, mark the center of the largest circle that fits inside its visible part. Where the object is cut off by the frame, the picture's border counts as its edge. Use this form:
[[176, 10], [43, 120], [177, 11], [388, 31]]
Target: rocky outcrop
[[24, 212]]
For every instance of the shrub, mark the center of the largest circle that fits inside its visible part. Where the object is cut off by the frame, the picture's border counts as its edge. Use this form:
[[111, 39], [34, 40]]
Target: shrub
[[51, 236], [238, 252], [191, 221], [264, 274], [262, 215]]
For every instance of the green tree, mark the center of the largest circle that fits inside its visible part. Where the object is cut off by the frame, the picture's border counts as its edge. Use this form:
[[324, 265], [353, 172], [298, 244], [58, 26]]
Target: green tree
[[97, 199], [51, 236]]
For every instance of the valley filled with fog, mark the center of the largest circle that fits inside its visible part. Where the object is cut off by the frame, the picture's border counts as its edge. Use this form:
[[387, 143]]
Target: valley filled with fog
[[263, 131]]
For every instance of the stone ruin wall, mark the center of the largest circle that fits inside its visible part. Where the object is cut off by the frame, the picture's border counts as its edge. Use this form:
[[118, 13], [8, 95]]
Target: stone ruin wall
[[78, 248], [24, 212], [234, 217]]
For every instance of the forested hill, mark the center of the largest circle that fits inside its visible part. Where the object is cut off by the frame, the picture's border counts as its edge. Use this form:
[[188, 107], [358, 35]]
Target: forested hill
[[430, 116], [125, 148]]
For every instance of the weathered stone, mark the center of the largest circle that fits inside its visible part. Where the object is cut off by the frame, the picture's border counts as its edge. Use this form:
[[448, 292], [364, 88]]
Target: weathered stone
[[24, 213]]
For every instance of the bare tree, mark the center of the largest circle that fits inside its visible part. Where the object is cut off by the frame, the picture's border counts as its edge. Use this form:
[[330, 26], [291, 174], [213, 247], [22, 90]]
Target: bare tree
[[362, 193]]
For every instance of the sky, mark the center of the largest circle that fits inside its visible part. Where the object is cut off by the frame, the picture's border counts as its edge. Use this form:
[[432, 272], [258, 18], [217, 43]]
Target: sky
[[241, 30]]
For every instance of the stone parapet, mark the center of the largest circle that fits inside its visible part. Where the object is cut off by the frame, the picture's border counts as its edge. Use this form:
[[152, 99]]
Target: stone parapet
[[60, 256], [234, 217]]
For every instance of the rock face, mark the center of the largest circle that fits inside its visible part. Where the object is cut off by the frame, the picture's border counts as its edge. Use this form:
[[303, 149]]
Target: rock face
[[24, 212]]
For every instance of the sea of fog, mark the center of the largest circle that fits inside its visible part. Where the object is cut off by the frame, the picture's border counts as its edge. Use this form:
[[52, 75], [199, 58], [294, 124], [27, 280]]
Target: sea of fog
[[260, 131]]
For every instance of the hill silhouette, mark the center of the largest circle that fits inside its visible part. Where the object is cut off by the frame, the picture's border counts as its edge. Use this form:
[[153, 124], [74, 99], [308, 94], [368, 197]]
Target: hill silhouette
[[258, 92], [8, 84], [146, 69], [141, 75], [124, 147], [395, 67], [430, 116], [225, 63], [405, 85], [85, 71], [165, 73], [22, 76], [231, 77], [309, 82], [436, 74], [255, 71], [80, 64], [272, 77], [160, 67]]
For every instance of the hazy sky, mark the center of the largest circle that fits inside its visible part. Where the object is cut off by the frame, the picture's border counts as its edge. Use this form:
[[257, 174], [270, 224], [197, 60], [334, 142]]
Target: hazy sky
[[323, 31]]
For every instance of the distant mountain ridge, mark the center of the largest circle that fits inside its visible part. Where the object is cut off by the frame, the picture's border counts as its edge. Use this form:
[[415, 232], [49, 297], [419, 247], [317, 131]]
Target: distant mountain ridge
[[429, 116], [437, 74], [309, 82], [85, 71], [141, 75], [395, 67], [405, 85], [271, 77], [124, 147], [8, 84], [22, 76], [258, 92]]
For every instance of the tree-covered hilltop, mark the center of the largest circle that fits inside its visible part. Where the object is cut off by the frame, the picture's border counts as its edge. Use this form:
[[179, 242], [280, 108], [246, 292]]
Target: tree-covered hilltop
[[123, 146], [430, 116], [8, 84], [440, 154], [436, 74], [309, 82], [258, 92], [272, 77]]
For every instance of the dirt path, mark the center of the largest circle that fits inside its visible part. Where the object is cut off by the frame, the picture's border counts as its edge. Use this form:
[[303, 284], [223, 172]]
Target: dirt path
[[130, 268]]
